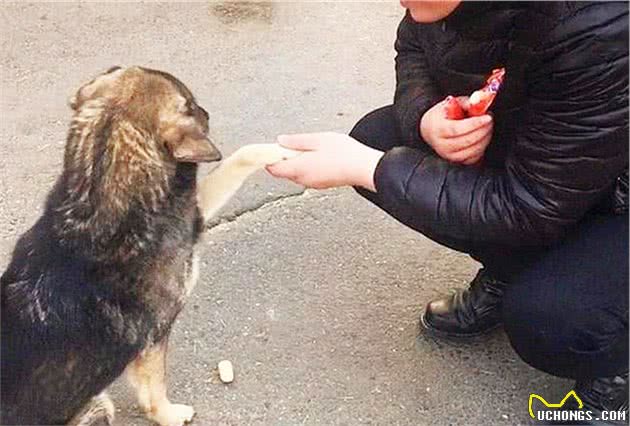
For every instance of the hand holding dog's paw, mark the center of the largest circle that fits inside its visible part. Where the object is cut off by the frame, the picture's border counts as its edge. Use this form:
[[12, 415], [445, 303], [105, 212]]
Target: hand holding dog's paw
[[263, 154], [328, 160], [173, 415]]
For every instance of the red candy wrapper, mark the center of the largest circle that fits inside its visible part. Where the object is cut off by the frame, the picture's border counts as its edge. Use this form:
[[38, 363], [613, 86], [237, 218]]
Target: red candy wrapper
[[454, 110], [479, 101]]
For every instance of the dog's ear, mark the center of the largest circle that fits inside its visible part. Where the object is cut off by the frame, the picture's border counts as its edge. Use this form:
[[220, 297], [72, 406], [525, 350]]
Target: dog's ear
[[99, 85], [195, 150]]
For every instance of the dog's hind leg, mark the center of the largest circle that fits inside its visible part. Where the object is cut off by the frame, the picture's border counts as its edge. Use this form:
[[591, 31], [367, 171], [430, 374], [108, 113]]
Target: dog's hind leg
[[98, 412], [147, 374], [219, 186]]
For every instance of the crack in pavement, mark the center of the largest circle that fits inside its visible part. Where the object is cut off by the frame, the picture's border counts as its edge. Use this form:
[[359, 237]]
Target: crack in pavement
[[221, 221], [233, 217]]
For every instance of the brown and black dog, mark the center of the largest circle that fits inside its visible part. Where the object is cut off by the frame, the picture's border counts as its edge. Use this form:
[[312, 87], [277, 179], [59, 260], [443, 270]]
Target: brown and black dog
[[94, 286]]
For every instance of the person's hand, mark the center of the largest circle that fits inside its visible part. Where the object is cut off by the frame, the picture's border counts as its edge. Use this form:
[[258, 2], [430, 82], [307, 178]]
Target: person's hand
[[329, 160], [459, 141]]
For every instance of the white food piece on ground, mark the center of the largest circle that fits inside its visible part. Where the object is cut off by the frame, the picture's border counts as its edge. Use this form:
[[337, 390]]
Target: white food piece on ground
[[226, 371]]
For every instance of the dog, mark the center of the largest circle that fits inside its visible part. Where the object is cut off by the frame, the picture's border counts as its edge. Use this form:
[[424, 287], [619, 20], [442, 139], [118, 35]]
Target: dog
[[93, 288]]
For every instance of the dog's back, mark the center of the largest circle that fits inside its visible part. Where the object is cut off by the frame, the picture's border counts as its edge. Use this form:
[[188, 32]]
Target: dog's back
[[70, 324], [102, 274], [57, 347]]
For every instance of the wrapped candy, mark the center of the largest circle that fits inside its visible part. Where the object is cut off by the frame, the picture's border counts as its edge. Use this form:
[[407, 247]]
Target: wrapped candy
[[479, 101], [453, 109]]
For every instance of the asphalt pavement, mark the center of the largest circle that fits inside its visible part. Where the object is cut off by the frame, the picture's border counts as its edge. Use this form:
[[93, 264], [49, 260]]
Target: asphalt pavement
[[314, 296]]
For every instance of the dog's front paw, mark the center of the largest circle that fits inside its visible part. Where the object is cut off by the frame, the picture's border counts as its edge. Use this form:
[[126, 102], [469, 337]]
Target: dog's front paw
[[173, 415], [263, 154]]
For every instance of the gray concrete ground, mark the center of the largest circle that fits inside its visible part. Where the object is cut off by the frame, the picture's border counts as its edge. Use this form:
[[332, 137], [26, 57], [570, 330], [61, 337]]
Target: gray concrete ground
[[314, 297]]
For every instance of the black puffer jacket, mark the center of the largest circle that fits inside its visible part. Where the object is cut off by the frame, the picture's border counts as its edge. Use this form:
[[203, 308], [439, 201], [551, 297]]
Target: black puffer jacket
[[560, 144]]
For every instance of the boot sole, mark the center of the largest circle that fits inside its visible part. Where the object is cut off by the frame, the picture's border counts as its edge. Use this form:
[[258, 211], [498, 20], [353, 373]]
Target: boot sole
[[461, 337]]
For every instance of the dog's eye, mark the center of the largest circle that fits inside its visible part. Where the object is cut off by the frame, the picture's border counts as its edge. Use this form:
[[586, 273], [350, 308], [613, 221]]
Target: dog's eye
[[190, 109]]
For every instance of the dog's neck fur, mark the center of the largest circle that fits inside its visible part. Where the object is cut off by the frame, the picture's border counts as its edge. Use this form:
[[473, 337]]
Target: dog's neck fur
[[115, 183]]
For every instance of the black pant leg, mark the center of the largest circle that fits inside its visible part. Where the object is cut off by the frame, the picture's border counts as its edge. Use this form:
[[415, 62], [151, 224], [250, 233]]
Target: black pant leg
[[380, 130], [505, 263], [567, 313]]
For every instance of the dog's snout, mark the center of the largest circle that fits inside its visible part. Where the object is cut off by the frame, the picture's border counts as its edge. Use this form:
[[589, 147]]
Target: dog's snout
[[215, 153]]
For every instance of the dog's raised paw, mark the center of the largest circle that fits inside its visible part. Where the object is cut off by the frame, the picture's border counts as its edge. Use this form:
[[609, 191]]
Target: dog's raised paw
[[173, 415], [260, 155]]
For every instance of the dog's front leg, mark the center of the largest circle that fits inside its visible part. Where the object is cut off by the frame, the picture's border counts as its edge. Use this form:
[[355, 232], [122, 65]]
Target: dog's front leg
[[147, 374], [219, 186]]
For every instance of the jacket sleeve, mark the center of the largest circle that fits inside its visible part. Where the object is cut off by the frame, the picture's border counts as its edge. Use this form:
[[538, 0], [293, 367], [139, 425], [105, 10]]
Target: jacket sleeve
[[569, 147], [415, 90]]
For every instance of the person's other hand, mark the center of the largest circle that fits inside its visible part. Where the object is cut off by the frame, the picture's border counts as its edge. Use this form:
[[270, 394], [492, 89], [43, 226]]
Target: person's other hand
[[459, 141], [329, 160]]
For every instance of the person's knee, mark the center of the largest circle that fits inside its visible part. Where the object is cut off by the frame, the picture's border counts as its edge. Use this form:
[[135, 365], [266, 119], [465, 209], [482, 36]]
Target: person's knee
[[377, 129], [533, 326], [562, 337]]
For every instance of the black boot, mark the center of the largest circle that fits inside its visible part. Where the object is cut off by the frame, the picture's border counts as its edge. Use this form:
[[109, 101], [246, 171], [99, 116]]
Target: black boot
[[467, 313], [608, 394]]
